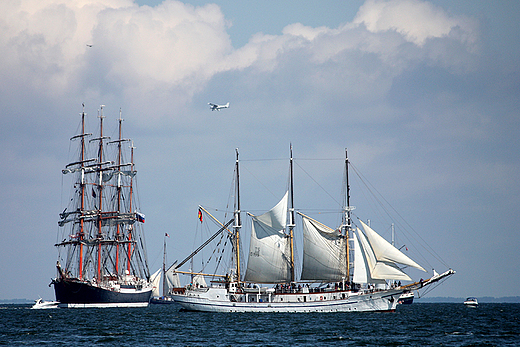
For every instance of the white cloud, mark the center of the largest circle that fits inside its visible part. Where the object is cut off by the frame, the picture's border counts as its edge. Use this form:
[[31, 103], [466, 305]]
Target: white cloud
[[170, 52], [416, 20]]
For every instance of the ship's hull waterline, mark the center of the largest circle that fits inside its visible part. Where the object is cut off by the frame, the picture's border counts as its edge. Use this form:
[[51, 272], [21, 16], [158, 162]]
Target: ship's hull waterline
[[345, 301], [79, 294]]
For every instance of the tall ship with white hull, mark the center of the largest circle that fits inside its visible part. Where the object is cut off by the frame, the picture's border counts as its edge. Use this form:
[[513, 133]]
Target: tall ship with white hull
[[350, 268], [102, 259]]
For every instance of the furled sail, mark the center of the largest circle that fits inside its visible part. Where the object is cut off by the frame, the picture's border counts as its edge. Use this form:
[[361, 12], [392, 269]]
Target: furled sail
[[269, 251], [324, 252], [384, 251]]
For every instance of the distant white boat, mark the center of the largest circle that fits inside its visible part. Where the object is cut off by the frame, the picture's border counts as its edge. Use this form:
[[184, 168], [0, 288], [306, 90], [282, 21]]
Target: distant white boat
[[471, 302], [171, 283], [40, 304]]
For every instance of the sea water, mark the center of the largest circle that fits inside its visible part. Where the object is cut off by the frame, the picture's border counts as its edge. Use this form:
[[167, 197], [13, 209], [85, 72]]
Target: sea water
[[419, 324]]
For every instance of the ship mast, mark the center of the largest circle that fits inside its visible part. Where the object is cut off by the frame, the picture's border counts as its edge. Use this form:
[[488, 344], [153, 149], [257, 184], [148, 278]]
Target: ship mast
[[165, 285], [291, 216], [238, 223], [130, 229], [82, 186], [100, 192], [346, 215], [119, 189]]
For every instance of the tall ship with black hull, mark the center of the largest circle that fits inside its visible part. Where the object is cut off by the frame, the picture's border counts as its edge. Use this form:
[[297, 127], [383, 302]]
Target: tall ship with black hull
[[346, 269], [102, 259]]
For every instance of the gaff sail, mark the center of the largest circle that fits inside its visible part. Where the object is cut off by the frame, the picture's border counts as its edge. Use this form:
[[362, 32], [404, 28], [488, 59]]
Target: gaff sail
[[324, 252]]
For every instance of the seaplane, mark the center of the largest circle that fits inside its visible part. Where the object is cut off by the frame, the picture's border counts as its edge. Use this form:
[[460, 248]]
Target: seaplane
[[217, 107]]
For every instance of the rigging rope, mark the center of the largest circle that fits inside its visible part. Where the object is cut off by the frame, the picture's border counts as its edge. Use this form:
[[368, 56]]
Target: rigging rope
[[380, 199]]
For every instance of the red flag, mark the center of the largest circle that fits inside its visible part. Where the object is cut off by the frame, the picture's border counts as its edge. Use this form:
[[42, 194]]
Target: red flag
[[200, 215], [166, 234]]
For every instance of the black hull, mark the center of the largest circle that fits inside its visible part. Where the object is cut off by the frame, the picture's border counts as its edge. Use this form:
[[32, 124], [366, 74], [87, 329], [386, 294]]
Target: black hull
[[74, 293]]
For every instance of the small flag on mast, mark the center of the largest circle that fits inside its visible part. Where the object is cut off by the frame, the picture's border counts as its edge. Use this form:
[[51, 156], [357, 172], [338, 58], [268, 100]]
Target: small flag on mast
[[200, 215], [166, 235], [140, 217]]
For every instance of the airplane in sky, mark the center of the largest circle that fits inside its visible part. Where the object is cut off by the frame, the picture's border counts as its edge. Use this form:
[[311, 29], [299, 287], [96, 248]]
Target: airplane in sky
[[216, 107]]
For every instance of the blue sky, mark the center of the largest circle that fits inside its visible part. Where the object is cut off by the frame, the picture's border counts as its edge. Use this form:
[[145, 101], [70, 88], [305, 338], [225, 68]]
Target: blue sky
[[424, 94]]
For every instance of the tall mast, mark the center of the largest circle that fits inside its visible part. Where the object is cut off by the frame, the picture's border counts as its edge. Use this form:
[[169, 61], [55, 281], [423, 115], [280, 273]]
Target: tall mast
[[164, 290], [346, 216], [238, 223], [129, 265], [119, 188], [82, 185], [100, 186], [291, 216]]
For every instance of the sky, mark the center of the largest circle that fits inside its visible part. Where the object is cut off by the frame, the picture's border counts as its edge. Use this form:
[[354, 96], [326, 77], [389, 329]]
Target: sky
[[424, 94]]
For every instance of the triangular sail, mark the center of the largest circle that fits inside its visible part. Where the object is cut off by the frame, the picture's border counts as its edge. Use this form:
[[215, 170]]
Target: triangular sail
[[365, 261], [155, 278], [324, 252], [361, 270], [385, 252], [269, 251]]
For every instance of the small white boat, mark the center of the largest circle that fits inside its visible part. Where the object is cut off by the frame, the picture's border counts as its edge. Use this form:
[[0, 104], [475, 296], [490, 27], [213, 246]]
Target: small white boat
[[40, 304], [471, 302]]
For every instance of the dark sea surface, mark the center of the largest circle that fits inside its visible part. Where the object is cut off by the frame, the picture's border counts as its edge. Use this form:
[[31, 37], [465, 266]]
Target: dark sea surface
[[419, 324]]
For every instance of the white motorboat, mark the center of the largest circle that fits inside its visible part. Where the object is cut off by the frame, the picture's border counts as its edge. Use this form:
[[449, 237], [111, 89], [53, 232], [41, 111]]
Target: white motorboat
[[471, 302], [40, 304]]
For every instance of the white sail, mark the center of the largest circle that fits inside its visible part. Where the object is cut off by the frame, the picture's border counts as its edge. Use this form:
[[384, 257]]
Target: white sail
[[155, 278], [199, 281], [385, 252], [324, 252], [361, 273], [269, 253], [172, 279], [365, 261]]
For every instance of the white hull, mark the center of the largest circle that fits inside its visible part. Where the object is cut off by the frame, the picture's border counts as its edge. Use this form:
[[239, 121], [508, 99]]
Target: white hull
[[42, 305], [218, 300], [471, 302]]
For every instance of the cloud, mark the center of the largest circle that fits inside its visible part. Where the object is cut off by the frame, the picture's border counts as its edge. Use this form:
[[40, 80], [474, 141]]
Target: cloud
[[141, 50], [381, 69], [416, 20], [134, 49]]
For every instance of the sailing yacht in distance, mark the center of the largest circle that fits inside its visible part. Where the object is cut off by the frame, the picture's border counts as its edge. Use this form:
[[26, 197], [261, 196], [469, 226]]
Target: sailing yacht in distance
[[170, 282], [102, 259], [345, 269]]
